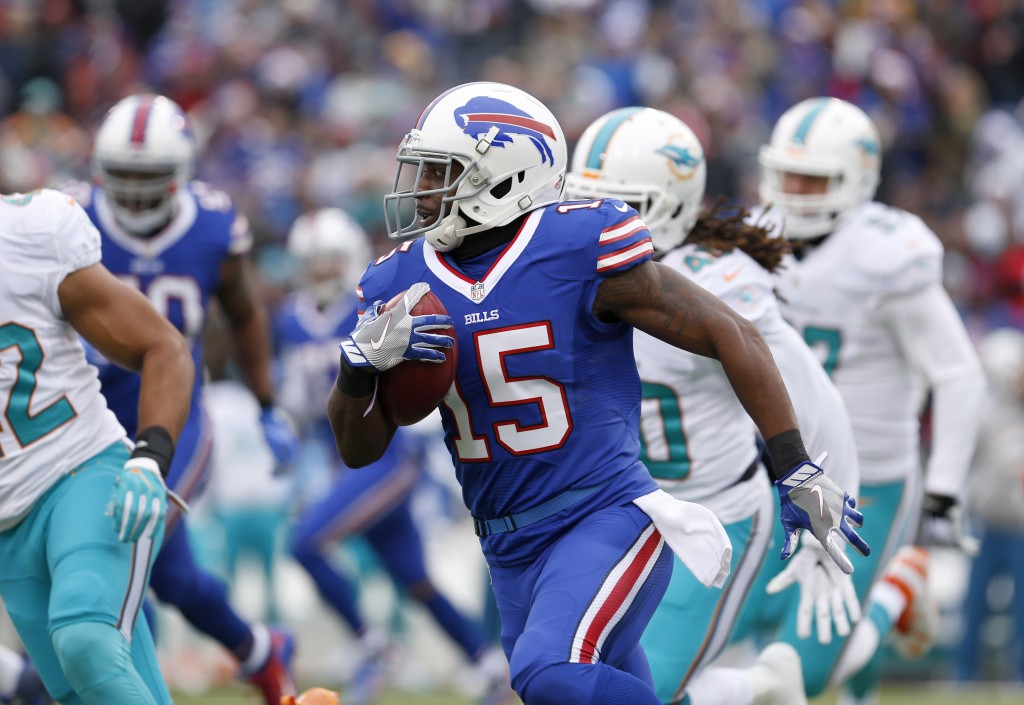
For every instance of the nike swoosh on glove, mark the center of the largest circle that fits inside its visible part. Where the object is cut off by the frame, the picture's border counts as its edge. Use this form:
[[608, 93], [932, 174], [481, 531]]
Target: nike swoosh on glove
[[382, 339], [139, 500], [826, 592], [810, 500]]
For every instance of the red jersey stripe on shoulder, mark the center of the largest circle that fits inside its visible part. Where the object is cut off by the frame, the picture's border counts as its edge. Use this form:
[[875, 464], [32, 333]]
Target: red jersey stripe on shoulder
[[625, 256], [621, 232], [627, 225]]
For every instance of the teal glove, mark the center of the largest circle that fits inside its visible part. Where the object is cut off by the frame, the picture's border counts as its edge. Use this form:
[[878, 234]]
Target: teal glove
[[139, 500]]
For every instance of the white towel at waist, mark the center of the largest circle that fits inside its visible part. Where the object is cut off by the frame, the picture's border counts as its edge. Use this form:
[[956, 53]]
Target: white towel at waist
[[693, 532]]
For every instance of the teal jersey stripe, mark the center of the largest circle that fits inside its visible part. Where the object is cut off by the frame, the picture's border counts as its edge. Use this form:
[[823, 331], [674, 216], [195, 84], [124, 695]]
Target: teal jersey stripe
[[805, 125], [604, 135]]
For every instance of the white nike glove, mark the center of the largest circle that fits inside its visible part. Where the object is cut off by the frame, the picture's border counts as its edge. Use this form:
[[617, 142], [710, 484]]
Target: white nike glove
[[826, 592], [384, 338]]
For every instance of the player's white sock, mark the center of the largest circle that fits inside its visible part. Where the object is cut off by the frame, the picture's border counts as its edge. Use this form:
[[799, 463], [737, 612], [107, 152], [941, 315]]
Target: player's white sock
[[260, 649], [885, 606], [374, 642], [889, 598], [860, 649], [720, 686]]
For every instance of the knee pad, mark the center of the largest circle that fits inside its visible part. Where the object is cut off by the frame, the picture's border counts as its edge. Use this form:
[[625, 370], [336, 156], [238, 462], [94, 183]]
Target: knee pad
[[90, 653]]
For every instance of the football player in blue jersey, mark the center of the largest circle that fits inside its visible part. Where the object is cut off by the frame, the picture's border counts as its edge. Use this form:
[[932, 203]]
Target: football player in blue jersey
[[542, 420], [180, 242], [81, 510], [332, 250]]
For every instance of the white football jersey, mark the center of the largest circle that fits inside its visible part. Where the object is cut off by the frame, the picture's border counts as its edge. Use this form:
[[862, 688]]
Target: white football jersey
[[834, 295], [698, 439], [55, 418]]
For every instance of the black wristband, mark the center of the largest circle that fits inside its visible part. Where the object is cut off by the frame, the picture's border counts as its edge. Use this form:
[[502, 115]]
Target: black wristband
[[787, 451], [155, 442], [938, 505], [355, 382]]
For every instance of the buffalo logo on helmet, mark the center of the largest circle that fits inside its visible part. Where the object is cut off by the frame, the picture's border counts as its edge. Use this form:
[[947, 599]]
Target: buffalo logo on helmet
[[480, 114], [680, 161]]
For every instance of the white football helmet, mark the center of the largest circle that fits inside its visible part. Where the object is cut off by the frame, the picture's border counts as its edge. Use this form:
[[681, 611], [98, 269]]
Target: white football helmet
[[513, 155], [649, 159], [820, 137], [332, 250], [144, 155]]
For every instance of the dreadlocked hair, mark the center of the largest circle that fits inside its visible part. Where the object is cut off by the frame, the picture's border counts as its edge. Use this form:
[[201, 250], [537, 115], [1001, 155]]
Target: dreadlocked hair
[[721, 227]]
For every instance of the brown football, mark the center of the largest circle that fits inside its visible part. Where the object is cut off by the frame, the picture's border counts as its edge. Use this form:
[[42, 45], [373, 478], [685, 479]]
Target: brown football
[[412, 389]]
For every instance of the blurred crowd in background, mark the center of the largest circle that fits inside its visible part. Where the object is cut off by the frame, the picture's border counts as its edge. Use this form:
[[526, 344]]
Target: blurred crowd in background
[[300, 104]]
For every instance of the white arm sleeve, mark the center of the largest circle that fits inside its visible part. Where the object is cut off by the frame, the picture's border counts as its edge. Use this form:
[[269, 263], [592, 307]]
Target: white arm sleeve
[[934, 340], [820, 412]]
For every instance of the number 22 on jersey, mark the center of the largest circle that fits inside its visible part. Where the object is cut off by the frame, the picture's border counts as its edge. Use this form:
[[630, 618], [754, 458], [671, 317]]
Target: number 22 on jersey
[[20, 349], [492, 347]]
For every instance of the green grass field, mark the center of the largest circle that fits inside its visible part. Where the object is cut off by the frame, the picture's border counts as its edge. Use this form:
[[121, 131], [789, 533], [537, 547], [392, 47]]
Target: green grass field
[[911, 694]]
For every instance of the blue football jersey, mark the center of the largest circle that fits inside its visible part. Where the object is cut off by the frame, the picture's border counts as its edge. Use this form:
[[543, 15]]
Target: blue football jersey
[[178, 269], [307, 341], [546, 396]]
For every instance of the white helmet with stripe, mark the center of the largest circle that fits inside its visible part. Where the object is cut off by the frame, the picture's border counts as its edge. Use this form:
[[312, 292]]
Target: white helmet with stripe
[[825, 137], [143, 156], [333, 251], [513, 157], [648, 159]]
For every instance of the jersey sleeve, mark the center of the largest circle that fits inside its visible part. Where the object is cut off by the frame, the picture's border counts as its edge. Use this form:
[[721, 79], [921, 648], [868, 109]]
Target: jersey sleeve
[[736, 279], [81, 191], [77, 243], [225, 225], [934, 340], [379, 277], [898, 252], [624, 241]]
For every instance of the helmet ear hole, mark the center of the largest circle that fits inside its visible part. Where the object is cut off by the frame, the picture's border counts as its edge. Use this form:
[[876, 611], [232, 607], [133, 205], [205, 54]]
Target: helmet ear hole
[[522, 176], [501, 190]]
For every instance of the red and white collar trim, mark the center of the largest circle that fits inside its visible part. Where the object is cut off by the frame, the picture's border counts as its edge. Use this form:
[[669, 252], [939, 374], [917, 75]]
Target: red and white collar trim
[[464, 285]]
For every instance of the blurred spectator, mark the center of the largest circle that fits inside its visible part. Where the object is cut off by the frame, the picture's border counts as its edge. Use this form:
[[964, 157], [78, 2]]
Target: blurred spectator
[[995, 500], [302, 102], [39, 143]]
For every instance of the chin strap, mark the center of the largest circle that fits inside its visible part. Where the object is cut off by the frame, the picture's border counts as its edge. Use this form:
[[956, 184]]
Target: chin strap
[[444, 237]]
